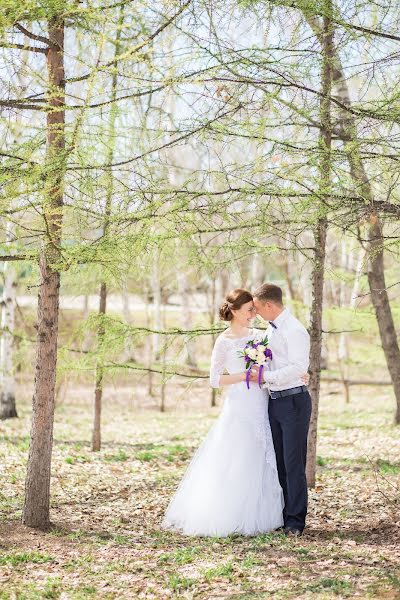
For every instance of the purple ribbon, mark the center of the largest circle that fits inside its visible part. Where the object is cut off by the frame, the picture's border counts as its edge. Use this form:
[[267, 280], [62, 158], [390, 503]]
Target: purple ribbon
[[260, 380], [260, 375], [248, 378]]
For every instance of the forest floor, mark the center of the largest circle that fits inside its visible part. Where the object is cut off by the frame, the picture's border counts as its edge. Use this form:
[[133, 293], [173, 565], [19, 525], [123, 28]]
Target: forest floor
[[106, 508]]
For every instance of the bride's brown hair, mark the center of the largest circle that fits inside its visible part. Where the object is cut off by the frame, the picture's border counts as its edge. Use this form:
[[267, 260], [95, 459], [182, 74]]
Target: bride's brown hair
[[233, 301]]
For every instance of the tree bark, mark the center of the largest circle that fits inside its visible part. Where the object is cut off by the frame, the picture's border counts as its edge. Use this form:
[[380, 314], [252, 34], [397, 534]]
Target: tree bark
[[149, 345], [37, 485], [87, 334], [316, 345], [212, 323], [98, 392], [156, 289], [380, 301], [8, 408], [320, 241], [164, 351]]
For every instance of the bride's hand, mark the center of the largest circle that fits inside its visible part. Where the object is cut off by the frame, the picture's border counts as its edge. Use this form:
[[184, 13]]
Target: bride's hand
[[254, 374]]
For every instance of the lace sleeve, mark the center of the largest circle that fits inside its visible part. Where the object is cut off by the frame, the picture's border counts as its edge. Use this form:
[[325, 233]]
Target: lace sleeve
[[217, 362]]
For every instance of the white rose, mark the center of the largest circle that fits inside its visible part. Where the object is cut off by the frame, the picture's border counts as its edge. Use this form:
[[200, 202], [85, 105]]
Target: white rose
[[252, 353], [261, 358], [261, 348]]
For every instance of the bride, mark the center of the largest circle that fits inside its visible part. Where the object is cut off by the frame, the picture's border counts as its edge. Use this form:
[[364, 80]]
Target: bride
[[231, 485]]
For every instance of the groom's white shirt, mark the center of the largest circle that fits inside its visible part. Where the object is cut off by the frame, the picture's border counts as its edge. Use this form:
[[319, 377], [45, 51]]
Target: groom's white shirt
[[290, 345]]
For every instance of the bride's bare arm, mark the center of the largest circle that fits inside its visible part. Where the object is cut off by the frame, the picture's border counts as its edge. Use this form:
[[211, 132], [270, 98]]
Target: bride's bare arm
[[230, 379]]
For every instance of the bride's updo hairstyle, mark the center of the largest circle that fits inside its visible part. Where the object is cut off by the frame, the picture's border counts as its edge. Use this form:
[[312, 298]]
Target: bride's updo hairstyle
[[233, 301]]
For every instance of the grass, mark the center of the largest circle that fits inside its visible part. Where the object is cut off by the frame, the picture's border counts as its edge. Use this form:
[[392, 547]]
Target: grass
[[178, 583], [387, 468], [52, 588], [79, 458], [106, 542], [250, 561], [120, 456], [177, 452], [19, 558], [394, 580], [224, 570], [146, 455], [331, 584], [182, 556]]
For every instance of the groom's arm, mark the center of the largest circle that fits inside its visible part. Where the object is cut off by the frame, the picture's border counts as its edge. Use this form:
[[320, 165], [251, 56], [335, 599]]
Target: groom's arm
[[298, 360]]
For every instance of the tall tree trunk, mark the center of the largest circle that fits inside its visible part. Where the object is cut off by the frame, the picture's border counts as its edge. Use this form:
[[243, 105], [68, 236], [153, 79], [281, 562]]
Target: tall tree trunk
[[213, 337], [149, 345], [343, 350], [156, 288], [87, 333], [376, 270], [8, 408], [37, 485], [255, 281], [127, 318], [164, 351], [380, 300], [342, 345], [347, 132], [163, 383], [293, 290], [320, 240], [98, 392], [316, 345], [187, 317], [217, 289]]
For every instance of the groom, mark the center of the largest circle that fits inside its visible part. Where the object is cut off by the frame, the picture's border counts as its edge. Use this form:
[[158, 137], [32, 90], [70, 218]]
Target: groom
[[289, 401]]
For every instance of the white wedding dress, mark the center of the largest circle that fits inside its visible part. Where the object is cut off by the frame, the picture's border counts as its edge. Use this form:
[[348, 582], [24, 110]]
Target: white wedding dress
[[231, 485]]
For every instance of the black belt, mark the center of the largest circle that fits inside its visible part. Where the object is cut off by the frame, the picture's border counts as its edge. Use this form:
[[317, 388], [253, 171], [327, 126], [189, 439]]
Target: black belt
[[290, 392]]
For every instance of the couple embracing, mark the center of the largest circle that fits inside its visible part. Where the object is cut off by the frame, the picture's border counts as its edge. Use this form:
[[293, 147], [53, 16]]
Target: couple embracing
[[248, 476]]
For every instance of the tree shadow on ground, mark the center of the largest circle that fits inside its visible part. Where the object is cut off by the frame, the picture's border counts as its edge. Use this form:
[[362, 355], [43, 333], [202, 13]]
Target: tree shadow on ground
[[386, 533]]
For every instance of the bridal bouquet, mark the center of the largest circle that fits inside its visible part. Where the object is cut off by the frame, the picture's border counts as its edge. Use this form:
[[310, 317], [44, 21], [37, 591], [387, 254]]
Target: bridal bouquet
[[256, 353]]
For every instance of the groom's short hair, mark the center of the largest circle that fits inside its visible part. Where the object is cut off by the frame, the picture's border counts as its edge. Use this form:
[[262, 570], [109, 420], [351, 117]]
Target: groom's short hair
[[268, 292]]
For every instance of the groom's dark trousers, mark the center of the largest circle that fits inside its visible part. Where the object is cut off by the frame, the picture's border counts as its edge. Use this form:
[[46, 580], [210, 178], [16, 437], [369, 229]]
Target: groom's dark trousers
[[289, 417]]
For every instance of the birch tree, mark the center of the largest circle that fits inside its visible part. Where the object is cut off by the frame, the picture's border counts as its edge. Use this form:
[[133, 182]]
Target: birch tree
[[8, 408]]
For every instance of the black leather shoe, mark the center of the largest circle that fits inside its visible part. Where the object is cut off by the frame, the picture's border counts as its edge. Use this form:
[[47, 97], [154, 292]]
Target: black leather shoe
[[293, 532]]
